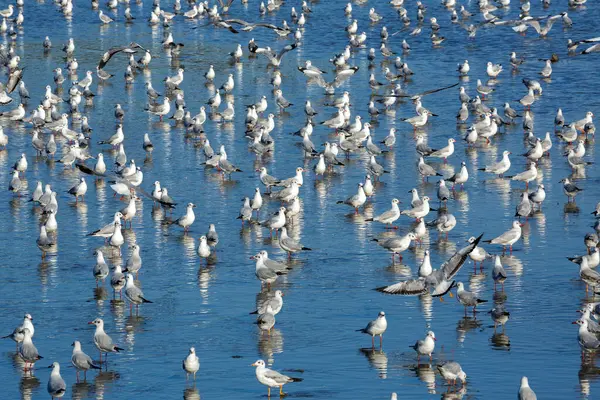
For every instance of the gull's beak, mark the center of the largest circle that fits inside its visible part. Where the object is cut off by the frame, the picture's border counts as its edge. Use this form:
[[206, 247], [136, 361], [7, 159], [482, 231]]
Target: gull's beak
[[254, 364], [434, 339], [194, 206], [91, 323], [258, 170], [252, 258], [50, 366], [521, 224], [574, 322]]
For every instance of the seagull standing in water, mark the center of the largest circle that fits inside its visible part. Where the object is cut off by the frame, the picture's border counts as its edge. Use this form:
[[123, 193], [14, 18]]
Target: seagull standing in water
[[191, 364], [376, 328], [272, 379]]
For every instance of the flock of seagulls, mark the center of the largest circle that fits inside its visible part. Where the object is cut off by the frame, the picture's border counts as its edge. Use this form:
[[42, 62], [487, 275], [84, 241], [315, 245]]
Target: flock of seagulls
[[61, 130]]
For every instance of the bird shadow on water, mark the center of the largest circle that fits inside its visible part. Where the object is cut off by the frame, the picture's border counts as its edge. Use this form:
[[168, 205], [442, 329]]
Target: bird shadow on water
[[191, 393], [377, 358], [500, 341], [103, 379], [588, 373], [270, 344], [81, 390], [28, 385]]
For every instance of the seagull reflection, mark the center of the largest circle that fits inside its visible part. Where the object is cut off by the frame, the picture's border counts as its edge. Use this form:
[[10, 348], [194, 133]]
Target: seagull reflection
[[103, 379], [500, 341], [117, 307], [511, 262], [399, 269], [80, 390], [500, 317], [100, 294], [426, 374], [427, 306], [270, 344], [466, 324], [27, 385], [204, 277], [500, 298], [454, 394], [571, 208], [191, 393], [133, 324], [377, 359], [587, 374]]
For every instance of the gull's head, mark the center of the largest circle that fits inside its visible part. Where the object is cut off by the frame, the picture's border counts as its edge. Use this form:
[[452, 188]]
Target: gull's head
[[460, 286], [97, 322], [517, 224], [431, 335], [258, 363], [192, 350], [394, 201], [381, 314]]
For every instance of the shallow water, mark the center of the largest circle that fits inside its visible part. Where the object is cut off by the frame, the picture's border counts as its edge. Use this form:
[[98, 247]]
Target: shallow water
[[328, 294]]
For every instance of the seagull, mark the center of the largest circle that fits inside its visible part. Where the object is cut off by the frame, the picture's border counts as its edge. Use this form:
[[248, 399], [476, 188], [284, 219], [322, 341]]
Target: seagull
[[28, 352], [275, 302], [525, 392], [186, 220], [376, 327], [56, 384], [509, 237], [390, 216], [101, 268], [81, 361], [266, 321], [191, 364], [570, 189], [134, 294], [527, 176], [466, 298], [105, 19], [500, 167], [438, 282], [272, 379], [290, 245], [451, 371], [357, 200], [461, 177], [203, 249], [498, 272], [102, 341], [444, 152], [426, 346], [262, 272], [396, 244], [17, 334], [79, 190]]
